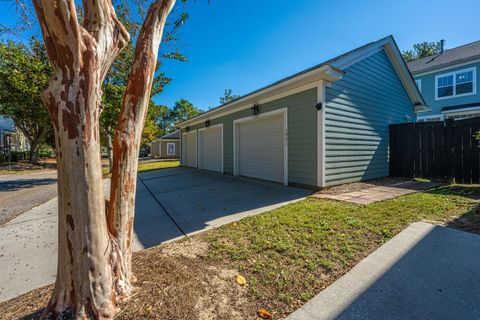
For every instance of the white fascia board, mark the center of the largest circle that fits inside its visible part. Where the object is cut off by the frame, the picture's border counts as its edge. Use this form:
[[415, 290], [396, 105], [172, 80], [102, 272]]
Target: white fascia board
[[393, 53], [463, 110], [291, 86]]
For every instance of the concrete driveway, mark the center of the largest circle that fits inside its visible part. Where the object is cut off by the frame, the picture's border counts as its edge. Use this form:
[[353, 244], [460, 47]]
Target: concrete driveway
[[171, 203]]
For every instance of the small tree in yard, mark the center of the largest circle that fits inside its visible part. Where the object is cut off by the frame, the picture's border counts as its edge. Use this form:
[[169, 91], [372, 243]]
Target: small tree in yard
[[24, 71], [95, 237]]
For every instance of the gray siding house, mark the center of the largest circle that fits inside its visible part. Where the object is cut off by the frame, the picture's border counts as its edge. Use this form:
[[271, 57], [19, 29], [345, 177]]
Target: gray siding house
[[166, 147], [321, 127]]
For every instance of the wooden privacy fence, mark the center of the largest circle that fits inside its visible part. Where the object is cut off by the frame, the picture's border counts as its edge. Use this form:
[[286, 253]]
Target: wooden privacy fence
[[441, 151]]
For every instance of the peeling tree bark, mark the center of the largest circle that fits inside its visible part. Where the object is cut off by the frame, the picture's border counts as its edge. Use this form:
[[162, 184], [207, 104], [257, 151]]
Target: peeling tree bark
[[128, 133], [94, 249]]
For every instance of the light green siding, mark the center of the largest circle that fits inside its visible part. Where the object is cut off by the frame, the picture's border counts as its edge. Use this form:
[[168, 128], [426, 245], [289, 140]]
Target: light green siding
[[302, 138], [359, 109]]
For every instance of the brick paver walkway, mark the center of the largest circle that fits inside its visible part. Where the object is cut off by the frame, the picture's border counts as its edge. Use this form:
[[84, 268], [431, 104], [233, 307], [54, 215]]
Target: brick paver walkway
[[380, 193]]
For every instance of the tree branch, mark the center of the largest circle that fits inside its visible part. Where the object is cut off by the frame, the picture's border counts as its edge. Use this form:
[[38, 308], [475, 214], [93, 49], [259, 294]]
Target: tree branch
[[60, 29], [103, 25]]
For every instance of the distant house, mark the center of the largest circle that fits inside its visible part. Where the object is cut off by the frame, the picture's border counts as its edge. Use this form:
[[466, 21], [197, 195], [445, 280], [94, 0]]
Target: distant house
[[324, 126], [449, 83], [167, 146], [10, 137]]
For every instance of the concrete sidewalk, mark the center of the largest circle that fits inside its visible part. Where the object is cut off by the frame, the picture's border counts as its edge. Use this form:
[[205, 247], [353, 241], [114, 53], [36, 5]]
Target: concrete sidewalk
[[425, 272], [169, 204]]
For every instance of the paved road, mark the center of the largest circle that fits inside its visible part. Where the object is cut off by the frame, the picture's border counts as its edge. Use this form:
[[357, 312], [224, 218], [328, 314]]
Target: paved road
[[20, 193]]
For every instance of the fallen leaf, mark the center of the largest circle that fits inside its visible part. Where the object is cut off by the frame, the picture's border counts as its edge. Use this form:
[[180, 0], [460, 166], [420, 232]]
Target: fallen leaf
[[240, 280], [264, 314]]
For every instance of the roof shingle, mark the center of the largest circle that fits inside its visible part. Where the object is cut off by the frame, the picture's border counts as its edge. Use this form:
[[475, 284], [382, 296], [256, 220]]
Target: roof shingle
[[450, 56]]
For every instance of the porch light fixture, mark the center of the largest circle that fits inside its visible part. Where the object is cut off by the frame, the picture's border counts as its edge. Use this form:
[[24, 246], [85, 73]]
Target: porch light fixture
[[207, 123], [187, 129], [319, 106], [255, 109]]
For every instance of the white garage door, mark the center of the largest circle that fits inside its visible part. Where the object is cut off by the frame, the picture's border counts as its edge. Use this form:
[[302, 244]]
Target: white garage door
[[261, 148], [189, 148], [210, 149]]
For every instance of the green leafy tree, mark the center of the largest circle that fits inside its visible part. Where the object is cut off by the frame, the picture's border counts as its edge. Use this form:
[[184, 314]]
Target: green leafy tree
[[422, 50], [24, 70], [228, 96], [183, 110]]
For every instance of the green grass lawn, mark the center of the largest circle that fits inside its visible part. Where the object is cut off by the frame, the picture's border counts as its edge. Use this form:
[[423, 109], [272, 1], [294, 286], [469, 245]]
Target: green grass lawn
[[290, 254], [149, 166]]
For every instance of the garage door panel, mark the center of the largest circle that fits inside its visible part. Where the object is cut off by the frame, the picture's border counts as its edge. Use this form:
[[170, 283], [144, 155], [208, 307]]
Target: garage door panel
[[261, 148], [190, 150], [211, 149]]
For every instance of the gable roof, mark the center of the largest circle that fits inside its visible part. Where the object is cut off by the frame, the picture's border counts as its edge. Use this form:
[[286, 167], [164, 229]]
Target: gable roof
[[456, 55], [330, 70], [7, 124], [172, 135]]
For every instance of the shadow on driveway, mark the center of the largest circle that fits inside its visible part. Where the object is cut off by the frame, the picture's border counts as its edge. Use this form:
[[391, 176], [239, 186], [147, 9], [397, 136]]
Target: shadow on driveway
[[14, 185], [173, 202]]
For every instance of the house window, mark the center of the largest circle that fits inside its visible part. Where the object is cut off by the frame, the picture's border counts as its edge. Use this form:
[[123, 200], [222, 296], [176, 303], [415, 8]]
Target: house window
[[455, 84], [419, 84], [170, 149]]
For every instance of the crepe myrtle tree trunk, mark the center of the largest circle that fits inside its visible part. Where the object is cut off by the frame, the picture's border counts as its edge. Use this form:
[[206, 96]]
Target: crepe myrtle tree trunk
[[94, 253], [127, 138]]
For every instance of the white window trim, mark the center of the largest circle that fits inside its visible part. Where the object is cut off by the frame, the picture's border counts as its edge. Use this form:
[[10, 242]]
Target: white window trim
[[285, 139], [418, 82], [200, 163], [453, 73], [168, 148]]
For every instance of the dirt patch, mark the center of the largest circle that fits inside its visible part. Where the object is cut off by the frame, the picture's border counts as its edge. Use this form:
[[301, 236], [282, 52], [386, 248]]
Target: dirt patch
[[357, 186], [175, 281]]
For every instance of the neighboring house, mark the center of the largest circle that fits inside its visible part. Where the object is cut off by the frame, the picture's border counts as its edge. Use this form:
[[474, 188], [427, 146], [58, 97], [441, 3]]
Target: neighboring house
[[324, 126], [449, 83], [11, 137], [167, 146]]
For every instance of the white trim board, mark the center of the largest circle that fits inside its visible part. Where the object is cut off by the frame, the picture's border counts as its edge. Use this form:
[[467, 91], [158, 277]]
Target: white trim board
[[221, 144], [284, 112], [328, 71], [321, 134]]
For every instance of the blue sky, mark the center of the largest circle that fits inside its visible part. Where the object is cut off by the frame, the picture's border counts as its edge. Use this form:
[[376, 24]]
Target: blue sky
[[244, 45]]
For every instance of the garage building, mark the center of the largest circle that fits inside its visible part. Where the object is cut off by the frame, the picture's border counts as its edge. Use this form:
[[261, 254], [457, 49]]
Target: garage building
[[166, 147], [324, 126]]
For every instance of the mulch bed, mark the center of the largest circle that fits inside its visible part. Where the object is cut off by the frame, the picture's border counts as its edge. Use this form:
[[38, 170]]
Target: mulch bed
[[175, 281], [357, 186]]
